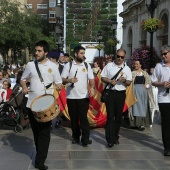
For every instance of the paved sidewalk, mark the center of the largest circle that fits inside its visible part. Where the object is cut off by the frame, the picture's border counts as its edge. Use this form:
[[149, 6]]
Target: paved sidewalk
[[137, 150]]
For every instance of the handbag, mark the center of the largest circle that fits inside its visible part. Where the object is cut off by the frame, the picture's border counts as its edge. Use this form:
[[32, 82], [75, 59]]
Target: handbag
[[104, 95], [105, 92]]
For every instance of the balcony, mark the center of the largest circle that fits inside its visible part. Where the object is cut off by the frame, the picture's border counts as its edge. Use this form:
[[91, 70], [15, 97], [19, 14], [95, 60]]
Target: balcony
[[52, 20], [58, 30]]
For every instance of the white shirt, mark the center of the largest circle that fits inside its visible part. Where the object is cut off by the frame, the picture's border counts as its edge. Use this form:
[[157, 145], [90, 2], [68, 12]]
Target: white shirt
[[79, 91], [50, 74], [4, 95], [161, 73], [111, 69]]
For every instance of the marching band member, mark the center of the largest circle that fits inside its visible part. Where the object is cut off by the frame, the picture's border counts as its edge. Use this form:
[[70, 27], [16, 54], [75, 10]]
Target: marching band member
[[50, 74], [117, 95], [77, 74]]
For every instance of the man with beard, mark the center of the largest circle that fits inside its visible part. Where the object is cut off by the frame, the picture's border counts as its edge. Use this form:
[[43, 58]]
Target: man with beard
[[77, 75], [50, 74]]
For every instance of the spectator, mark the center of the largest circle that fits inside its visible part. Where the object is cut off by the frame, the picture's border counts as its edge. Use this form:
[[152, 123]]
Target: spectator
[[141, 111], [6, 91], [66, 57], [61, 62], [1, 79], [96, 69]]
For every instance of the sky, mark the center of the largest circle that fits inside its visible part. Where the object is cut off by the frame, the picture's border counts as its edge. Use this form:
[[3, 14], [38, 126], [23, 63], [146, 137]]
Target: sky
[[119, 20]]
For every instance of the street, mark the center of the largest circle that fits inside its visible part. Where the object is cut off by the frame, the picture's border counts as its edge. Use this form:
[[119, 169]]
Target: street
[[137, 150]]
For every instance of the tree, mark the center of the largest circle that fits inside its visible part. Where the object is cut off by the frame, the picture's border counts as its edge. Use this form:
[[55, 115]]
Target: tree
[[21, 29]]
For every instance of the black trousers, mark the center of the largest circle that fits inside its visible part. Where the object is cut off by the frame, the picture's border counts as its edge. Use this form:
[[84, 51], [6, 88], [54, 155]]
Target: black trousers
[[165, 118], [78, 109], [114, 108], [41, 132]]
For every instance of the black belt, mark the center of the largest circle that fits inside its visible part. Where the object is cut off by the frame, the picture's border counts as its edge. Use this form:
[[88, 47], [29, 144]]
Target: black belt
[[118, 91]]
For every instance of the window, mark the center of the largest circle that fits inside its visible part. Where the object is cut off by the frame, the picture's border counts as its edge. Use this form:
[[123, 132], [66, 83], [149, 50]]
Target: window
[[29, 6], [41, 6], [52, 15], [44, 16], [52, 4], [53, 25]]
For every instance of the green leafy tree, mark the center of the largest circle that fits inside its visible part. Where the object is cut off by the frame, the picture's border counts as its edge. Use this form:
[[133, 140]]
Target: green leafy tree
[[21, 29]]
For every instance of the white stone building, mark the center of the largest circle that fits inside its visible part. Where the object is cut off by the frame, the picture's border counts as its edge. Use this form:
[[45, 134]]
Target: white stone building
[[134, 12]]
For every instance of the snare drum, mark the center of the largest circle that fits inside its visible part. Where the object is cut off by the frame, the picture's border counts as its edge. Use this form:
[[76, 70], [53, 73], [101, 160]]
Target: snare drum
[[45, 108]]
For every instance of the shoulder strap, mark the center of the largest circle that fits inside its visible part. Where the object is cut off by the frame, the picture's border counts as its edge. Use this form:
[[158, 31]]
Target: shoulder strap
[[38, 71], [114, 77], [70, 65], [86, 65]]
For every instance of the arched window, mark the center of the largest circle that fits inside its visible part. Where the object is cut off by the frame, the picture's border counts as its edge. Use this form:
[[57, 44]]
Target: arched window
[[130, 39], [143, 37], [163, 33], [165, 30]]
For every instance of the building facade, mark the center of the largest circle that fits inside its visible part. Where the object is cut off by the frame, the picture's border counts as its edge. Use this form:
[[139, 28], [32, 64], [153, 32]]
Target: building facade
[[86, 18], [134, 12], [60, 26]]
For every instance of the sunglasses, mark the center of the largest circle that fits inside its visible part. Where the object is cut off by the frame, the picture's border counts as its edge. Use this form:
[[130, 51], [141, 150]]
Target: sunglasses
[[165, 53], [122, 57]]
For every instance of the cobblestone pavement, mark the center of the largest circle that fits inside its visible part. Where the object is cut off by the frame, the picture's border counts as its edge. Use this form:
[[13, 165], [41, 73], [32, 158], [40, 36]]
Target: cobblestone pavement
[[137, 150]]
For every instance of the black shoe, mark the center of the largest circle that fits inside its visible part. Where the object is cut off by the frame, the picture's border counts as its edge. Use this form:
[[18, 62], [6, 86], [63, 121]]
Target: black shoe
[[166, 153], [75, 141], [141, 128], [110, 145], [86, 143], [25, 116], [116, 142], [57, 124], [41, 167]]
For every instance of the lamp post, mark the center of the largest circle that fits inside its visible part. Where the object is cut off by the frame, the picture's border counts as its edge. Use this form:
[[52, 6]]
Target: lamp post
[[99, 35], [114, 27], [151, 5]]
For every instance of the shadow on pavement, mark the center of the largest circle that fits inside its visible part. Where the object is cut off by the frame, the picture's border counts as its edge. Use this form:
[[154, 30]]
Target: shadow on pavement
[[18, 143]]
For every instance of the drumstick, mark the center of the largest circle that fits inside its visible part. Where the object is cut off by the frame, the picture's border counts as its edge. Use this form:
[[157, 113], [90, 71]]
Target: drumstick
[[30, 91], [72, 84], [49, 88]]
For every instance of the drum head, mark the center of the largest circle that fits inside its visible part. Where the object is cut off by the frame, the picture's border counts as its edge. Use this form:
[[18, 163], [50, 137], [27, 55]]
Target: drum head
[[42, 103]]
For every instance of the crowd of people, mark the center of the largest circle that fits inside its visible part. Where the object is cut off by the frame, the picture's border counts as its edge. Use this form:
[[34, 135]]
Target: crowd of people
[[48, 72]]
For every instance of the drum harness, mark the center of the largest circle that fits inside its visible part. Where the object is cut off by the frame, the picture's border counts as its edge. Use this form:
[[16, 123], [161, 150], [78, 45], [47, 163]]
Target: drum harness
[[40, 76], [46, 87]]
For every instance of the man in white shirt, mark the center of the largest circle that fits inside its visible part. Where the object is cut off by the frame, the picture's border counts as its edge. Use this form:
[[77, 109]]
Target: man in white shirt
[[117, 95], [77, 75], [50, 75], [161, 79]]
